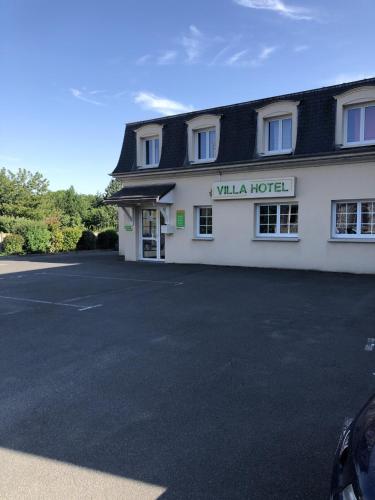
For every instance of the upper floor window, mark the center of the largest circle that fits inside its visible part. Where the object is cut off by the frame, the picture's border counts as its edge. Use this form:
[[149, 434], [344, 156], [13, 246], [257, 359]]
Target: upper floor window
[[360, 124], [355, 117], [205, 144], [279, 135], [277, 128], [203, 138], [151, 151], [149, 145]]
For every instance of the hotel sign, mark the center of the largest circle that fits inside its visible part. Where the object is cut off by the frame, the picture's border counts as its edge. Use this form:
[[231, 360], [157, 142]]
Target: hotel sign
[[260, 188]]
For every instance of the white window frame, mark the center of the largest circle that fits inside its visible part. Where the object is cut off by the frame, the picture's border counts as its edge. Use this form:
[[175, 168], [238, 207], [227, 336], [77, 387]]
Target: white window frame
[[362, 141], [196, 145], [146, 132], [197, 213], [274, 111], [277, 234], [197, 124], [358, 235], [280, 150], [152, 139], [355, 98]]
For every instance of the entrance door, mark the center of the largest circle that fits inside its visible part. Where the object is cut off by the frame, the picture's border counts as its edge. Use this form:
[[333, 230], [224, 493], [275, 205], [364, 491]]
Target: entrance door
[[152, 242]]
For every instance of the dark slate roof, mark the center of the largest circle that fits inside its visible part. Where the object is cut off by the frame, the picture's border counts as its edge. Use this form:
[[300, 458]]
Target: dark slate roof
[[315, 135], [137, 194]]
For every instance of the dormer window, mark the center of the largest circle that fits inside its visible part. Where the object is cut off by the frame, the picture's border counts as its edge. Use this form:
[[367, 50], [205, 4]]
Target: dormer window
[[151, 151], [203, 138], [205, 144], [279, 135], [149, 145], [277, 128], [360, 124], [355, 117]]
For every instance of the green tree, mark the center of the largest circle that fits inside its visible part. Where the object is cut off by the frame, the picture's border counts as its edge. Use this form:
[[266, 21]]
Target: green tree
[[22, 194]]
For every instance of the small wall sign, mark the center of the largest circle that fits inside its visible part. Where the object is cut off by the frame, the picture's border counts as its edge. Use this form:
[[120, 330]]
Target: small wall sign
[[260, 188], [180, 219], [128, 227]]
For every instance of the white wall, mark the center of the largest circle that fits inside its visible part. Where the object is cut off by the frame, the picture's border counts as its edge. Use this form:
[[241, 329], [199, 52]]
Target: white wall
[[234, 222]]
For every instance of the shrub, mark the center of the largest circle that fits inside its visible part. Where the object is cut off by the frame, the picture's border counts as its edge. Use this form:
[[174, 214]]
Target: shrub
[[57, 238], [87, 241], [9, 224], [13, 244], [71, 236], [107, 239], [36, 235]]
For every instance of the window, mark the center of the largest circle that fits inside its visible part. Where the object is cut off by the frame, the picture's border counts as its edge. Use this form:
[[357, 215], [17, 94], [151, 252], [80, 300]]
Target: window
[[360, 124], [355, 117], [149, 145], [205, 144], [277, 220], [279, 135], [151, 151], [203, 138], [277, 128], [354, 219], [203, 222]]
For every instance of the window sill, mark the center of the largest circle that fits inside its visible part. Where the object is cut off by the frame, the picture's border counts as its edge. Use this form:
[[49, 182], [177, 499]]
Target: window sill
[[351, 240], [291, 239], [203, 238], [140, 167], [356, 145], [199, 162], [277, 153]]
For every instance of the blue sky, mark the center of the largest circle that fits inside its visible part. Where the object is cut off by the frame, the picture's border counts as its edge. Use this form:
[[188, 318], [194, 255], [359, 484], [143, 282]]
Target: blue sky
[[74, 72]]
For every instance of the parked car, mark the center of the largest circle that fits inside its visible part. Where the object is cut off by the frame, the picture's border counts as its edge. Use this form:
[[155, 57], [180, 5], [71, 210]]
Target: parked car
[[353, 475]]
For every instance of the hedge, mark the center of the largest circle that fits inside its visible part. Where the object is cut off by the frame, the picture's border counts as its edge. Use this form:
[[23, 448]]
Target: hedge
[[10, 224], [13, 244], [87, 241], [108, 240], [36, 235], [71, 236]]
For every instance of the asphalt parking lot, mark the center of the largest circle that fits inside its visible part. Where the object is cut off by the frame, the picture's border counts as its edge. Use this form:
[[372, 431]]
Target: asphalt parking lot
[[131, 380]]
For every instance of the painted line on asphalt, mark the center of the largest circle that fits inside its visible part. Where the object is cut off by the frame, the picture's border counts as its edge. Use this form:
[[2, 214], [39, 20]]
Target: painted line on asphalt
[[370, 344], [116, 278], [48, 302]]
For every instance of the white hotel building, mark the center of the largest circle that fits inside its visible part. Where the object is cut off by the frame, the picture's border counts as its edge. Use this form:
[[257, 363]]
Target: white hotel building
[[282, 182]]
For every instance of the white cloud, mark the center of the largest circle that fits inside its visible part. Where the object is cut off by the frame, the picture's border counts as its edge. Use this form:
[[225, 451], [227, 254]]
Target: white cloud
[[167, 57], [236, 57], [266, 52], [193, 44], [278, 6], [348, 77], [143, 59], [82, 95], [161, 105]]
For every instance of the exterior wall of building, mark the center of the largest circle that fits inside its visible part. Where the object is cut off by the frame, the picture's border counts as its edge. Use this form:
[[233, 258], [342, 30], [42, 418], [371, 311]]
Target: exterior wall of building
[[234, 221]]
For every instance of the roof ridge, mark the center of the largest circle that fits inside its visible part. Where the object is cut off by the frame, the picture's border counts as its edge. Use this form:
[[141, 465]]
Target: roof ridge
[[254, 101]]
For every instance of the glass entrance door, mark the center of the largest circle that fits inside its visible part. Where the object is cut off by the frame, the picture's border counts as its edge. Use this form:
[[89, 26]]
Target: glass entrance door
[[152, 241]]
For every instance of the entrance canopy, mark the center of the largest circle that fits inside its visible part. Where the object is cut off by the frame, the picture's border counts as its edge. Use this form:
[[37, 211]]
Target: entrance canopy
[[138, 195]]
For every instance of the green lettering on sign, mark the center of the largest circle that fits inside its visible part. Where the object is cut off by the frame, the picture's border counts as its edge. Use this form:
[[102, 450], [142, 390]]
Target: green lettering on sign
[[128, 227], [180, 219]]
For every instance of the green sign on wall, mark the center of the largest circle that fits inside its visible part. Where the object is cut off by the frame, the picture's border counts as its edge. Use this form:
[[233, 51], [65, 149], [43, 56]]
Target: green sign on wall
[[128, 227], [180, 219]]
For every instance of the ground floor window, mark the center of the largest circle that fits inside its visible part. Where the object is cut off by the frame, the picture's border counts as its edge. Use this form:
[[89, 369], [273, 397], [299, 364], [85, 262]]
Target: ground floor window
[[277, 220], [354, 219], [203, 222]]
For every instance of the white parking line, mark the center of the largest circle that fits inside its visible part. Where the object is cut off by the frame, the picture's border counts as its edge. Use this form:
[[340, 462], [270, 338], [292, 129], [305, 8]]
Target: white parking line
[[48, 302], [116, 278]]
